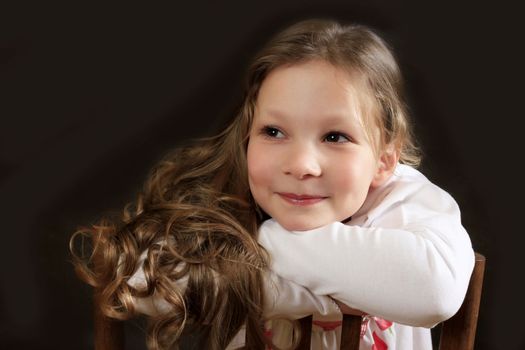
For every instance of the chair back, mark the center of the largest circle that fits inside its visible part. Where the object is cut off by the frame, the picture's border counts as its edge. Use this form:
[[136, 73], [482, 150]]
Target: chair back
[[457, 333]]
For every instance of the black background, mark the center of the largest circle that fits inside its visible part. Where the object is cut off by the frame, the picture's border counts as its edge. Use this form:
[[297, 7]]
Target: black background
[[92, 95]]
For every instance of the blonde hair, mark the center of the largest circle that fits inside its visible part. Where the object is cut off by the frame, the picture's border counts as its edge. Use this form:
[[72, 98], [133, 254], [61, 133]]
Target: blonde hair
[[197, 202]]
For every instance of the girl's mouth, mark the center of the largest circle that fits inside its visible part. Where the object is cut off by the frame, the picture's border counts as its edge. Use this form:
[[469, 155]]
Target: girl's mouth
[[301, 199]]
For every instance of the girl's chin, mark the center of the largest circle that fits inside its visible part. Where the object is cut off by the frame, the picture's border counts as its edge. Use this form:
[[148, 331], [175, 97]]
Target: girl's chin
[[307, 223]]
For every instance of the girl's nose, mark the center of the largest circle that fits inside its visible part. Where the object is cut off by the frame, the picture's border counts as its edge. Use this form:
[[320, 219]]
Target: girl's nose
[[302, 163]]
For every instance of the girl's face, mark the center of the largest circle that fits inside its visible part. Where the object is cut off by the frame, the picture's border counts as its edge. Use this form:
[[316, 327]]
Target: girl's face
[[310, 162]]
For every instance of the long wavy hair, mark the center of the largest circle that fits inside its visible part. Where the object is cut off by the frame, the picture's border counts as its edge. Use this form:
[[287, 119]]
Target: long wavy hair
[[195, 218]]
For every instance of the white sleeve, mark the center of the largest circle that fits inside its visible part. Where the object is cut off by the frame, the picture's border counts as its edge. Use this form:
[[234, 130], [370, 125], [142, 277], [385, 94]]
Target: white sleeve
[[154, 305], [287, 299], [283, 298], [412, 265]]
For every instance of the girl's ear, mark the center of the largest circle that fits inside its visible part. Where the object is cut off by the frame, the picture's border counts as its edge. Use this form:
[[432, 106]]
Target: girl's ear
[[386, 164]]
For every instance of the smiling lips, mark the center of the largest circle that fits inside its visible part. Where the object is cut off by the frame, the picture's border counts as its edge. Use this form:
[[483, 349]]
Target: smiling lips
[[301, 199]]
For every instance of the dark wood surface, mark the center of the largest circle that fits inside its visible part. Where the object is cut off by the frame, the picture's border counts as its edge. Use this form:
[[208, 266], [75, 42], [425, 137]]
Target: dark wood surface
[[351, 332], [109, 333], [306, 330], [459, 332]]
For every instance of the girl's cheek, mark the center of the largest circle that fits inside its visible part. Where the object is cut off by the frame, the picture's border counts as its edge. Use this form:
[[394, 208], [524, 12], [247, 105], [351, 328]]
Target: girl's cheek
[[262, 165], [255, 160]]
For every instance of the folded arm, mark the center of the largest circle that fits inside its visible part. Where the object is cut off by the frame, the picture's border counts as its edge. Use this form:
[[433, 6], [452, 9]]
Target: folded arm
[[283, 298], [412, 264]]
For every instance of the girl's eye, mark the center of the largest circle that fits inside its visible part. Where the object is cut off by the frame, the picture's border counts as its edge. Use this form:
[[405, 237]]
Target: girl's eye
[[336, 137], [272, 132]]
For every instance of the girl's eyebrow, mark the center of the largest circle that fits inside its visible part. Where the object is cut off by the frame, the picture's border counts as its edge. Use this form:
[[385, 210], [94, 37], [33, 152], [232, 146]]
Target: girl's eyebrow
[[271, 112], [330, 118]]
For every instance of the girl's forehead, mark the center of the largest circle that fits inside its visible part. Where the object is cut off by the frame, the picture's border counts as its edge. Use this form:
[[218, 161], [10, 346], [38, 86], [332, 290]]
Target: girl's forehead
[[316, 86], [321, 89]]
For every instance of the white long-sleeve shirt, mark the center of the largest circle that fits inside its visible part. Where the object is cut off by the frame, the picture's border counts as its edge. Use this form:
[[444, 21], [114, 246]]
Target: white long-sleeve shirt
[[404, 256]]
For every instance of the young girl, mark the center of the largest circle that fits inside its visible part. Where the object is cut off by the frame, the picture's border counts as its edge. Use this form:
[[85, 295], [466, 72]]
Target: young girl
[[317, 147]]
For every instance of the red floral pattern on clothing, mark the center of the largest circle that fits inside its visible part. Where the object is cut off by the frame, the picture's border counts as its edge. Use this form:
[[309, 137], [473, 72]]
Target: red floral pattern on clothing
[[379, 344], [382, 324], [327, 326], [269, 335]]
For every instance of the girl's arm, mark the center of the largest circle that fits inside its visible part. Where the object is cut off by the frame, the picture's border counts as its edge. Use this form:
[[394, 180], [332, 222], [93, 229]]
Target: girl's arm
[[287, 299], [283, 298], [412, 264]]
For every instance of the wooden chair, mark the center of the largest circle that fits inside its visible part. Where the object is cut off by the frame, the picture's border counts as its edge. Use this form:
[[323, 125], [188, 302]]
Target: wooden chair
[[457, 333]]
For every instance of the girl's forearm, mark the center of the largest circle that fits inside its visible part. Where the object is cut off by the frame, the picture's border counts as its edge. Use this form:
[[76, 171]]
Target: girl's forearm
[[414, 277], [283, 298]]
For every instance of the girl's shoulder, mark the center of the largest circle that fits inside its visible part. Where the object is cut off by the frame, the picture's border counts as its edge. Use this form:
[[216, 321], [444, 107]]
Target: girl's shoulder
[[407, 192], [406, 174], [405, 182]]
